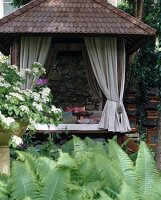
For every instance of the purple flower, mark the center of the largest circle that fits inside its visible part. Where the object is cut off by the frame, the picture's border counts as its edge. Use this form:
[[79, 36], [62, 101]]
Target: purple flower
[[41, 81]]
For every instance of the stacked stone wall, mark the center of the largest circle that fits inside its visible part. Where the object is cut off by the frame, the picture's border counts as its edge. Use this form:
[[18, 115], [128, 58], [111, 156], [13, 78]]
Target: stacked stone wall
[[69, 83]]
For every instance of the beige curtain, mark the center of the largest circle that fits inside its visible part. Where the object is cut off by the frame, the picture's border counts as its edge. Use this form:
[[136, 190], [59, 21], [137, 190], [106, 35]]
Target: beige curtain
[[103, 57], [51, 61], [94, 87], [33, 49]]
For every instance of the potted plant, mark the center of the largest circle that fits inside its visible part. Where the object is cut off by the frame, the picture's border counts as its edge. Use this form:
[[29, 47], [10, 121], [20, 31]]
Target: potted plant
[[19, 107]]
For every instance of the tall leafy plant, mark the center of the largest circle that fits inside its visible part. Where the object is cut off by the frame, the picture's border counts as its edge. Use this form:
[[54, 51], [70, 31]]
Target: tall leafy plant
[[84, 170]]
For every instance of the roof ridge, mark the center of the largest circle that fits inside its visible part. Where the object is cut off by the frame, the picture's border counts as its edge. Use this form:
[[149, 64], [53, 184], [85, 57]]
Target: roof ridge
[[19, 11], [126, 16]]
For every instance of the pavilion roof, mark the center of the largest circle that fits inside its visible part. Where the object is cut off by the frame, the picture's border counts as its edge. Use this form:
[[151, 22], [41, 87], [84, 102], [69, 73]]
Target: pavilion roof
[[83, 17], [72, 16]]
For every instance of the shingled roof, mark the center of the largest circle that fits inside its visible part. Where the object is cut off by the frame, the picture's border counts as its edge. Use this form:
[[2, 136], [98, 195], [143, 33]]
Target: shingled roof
[[64, 17], [72, 16]]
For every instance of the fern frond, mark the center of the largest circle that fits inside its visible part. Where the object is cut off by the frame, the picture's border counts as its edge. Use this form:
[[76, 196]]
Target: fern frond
[[44, 165], [96, 146], [33, 151], [146, 170], [104, 196], [86, 171], [122, 162], [91, 189], [4, 196], [73, 186], [68, 147], [89, 142], [29, 160], [128, 193], [80, 149], [55, 184], [74, 195], [23, 183], [155, 192], [65, 160], [4, 193], [3, 177], [108, 172]]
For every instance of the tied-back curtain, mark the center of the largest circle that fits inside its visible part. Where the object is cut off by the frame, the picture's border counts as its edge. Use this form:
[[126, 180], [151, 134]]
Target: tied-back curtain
[[33, 49], [103, 57], [94, 87], [51, 61]]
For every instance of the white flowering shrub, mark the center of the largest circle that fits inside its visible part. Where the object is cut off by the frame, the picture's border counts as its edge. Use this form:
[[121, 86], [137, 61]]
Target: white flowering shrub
[[16, 141], [32, 105]]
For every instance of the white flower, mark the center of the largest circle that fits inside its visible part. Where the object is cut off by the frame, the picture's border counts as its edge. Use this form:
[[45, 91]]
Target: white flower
[[6, 85], [38, 106], [6, 120], [27, 70], [36, 63], [16, 88], [17, 95], [13, 67], [24, 108], [1, 78], [35, 70], [45, 92], [36, 96], [9, 120], [27, 92], [17, 140], [21, 73], [45, 99], [55, 110], [18, 84]]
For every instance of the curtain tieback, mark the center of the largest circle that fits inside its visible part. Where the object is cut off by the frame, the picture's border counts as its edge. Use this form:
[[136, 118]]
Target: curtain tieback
[[119, 106]]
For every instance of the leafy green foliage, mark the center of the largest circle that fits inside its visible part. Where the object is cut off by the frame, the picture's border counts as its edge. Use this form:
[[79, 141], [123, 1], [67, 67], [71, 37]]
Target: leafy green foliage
[[92, 170], [145, 71], [18, 3]]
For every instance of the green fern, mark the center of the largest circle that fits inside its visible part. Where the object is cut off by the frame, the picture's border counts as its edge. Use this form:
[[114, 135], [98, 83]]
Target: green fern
[[155, 192], [55, 184], [4, 187], [108, 172], [80, 149], [104, 196], [43, 166], [65, 160], [146, 170], [91, 189], [92, 171], [128, 193], [4, 193], [29, 160], [23, 184], [122, 163]]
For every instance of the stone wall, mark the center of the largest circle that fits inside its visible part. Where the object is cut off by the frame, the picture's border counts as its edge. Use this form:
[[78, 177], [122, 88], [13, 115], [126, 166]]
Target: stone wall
[[69, 83]]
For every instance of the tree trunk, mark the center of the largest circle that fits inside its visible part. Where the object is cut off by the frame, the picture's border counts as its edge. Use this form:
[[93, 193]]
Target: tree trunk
[[158, 146], [140, 6]]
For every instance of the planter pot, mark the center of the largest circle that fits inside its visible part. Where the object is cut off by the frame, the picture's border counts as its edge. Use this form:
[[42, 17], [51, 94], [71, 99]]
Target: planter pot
[[5, 135]]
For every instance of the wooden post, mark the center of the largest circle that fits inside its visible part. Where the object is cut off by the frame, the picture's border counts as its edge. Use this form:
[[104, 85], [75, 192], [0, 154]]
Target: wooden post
[[4, 160], [15, 52]]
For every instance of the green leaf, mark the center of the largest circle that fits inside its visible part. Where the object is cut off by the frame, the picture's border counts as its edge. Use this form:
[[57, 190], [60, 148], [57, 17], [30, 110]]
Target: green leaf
[[122, 163], [146, 170], [23, 182], [55, 184]]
